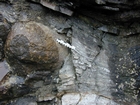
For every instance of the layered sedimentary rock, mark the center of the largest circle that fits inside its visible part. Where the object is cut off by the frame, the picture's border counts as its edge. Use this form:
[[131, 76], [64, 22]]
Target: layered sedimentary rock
[[120, 10], [97, 63]]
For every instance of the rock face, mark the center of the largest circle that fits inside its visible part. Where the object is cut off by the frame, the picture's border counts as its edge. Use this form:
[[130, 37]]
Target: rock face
[[90, 57], [60, 6], [34, 45], [4, 29], [1, 49], [121, 10], [85, 99]]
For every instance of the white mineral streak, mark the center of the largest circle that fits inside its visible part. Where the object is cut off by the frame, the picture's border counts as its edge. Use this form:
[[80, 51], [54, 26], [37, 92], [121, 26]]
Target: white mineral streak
[[65, 44]]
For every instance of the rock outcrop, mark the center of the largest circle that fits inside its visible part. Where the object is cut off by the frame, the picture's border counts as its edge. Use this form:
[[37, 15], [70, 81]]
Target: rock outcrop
[[118, 10], [70, 52]]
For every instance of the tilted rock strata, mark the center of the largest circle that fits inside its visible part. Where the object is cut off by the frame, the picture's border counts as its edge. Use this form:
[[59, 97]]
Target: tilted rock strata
[[123, 10], [103, 67]]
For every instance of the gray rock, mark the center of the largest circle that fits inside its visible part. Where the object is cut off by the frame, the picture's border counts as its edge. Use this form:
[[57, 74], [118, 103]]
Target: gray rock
[[66, 76], [109, 29], [8, 13], [70, 99], [123, 70], [4, 28], [57, 6], [24, 101], [103, 69], [91, 63], [1, 49], [102, 59], [4, 69], [85, 99], [45, 93], [132, 30], [12, 86]]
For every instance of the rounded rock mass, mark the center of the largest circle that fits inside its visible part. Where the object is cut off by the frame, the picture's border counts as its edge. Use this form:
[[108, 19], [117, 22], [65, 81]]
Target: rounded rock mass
[[31, 46]]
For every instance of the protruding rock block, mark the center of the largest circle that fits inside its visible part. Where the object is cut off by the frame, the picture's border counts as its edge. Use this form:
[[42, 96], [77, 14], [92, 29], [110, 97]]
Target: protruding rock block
[[4, 27], [3, 69], [32, 46], [63, 7]]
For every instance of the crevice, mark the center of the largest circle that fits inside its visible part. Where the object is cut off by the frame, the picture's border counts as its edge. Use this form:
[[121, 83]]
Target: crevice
[[79, 99]]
